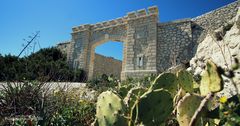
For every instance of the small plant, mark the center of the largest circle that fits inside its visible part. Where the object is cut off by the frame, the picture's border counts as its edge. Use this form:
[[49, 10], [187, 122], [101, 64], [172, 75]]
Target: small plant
[[23, 99], [229, 111], [70, 109], [103, 83]]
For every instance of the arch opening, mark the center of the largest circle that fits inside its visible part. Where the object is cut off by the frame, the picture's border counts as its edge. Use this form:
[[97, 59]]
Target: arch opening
[[107, 59]]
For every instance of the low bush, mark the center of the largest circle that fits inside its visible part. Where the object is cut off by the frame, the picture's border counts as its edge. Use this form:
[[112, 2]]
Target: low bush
[[34, 103], [48, 64]]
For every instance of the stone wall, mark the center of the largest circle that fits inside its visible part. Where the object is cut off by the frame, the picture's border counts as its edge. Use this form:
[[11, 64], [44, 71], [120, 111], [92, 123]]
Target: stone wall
[[102, 64], [106, 65], [149, 47], [64, 46], [141, 44], [178, 40], [174, 43], [212, 20]]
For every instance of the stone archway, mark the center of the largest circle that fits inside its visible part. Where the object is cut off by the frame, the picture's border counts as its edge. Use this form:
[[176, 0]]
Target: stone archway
[[138, 32], [150, 47], [93, 65], [108, 59]]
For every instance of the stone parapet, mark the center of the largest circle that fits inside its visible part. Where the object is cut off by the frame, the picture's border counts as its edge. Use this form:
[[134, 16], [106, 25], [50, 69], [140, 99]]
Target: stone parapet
[[119, 21]]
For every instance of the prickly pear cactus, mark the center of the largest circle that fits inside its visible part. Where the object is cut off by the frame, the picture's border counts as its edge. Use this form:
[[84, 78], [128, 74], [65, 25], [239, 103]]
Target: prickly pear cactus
[[123, 90], [181, 93], [166, 81], [134, 94], [154, 107], [186, 109], [211, 80], [110, 110], [185, 80]]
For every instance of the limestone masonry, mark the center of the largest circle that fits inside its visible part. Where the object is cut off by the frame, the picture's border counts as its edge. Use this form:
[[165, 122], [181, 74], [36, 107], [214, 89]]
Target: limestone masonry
[[149, 46]]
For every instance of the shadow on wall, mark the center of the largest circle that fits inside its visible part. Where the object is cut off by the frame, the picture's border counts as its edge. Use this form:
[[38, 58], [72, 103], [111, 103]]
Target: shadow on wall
[[175, 44]]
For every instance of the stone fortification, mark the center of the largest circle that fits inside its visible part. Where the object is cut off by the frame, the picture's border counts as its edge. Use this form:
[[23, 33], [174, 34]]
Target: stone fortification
[[106, 65], [102, 64], [149, 46], [174, 43]]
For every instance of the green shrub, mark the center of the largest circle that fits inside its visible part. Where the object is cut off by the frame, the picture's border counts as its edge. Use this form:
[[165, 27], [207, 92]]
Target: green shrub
[[23, 99], [48, 64], [71, 110], [103, 83], [63, 107]]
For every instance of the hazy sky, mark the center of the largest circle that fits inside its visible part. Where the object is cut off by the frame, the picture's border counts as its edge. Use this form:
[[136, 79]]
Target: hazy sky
[[55, 18]]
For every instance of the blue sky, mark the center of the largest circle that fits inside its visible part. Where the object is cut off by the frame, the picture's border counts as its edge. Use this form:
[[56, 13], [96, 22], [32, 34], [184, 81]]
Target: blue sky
[[55, 18]]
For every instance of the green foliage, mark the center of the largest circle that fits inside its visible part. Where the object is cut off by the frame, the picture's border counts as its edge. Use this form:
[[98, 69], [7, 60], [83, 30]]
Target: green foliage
[[103, 83], [123, 90], [229, 112], [21, 98], [149, 101], [79, 75], [81, 113], [62, 107], [70, 109], [47, 64]]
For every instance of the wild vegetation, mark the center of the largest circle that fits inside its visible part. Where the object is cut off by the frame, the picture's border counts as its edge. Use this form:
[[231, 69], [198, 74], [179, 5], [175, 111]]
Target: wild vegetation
[[33, 103], [172, 99], [169, 99], [48, 64]]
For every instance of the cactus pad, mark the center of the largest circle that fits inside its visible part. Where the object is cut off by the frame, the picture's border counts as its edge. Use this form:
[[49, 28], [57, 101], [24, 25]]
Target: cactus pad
[[166, 81], [211, 80], [123, 90], [110, 110], [185, 80], [154, 107], [186, 108], [134, 94]]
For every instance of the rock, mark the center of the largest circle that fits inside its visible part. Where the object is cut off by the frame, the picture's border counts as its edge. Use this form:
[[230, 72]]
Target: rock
[[238, 18], [219, 51]]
